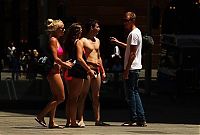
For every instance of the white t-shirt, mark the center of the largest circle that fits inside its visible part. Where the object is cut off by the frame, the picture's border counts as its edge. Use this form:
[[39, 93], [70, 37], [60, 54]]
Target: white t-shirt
[[134, 38]]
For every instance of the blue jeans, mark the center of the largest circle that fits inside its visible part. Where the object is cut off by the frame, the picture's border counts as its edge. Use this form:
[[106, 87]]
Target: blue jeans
[[133, 97]]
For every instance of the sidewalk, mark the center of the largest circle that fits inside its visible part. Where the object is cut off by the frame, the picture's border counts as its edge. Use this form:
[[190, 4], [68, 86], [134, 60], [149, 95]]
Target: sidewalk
[[165, 115], [23, 123]]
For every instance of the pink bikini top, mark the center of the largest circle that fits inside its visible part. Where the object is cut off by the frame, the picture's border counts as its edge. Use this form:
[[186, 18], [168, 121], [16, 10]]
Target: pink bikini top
[[59, 51]]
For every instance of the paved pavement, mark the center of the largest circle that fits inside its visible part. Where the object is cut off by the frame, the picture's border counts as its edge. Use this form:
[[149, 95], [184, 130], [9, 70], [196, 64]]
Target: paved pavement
[[165, 115], [22, 123]]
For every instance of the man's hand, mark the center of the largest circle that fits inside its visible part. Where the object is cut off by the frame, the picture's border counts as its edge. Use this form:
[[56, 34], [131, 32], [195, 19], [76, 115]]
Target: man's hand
[[117, 42], [125, 74], [91, 73], [113, 40], [103, 76]]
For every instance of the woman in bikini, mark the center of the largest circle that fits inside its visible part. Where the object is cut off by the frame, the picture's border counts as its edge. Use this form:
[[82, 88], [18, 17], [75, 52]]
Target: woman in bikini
[[74, 77], [55, 29]]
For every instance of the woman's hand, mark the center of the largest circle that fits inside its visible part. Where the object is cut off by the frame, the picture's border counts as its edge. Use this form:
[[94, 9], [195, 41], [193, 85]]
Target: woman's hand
[[69, 64]]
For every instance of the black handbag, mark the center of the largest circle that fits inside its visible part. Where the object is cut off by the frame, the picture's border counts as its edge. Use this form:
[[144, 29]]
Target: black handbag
[[44, 65]]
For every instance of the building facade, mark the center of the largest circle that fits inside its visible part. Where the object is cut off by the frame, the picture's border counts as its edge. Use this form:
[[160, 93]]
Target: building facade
[[23, 20]]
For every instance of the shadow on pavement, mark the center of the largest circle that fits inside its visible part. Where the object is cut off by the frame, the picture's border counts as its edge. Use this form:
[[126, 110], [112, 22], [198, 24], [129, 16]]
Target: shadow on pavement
[[161, 108]]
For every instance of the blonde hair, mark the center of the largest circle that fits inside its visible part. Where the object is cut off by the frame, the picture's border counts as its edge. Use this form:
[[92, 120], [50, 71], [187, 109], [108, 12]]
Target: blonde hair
[[131, 15], [53, 25]]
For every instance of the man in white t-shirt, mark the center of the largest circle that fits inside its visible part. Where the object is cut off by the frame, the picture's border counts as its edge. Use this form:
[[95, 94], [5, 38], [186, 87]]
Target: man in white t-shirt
[[132, 66]]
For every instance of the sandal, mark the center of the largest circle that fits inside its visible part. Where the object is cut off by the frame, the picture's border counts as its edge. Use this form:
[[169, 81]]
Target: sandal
[[41, 122], [67, 125], [55, 126], [101, 123], [75, 126]]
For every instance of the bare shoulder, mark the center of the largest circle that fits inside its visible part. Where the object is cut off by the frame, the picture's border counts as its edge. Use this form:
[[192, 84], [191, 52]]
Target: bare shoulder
[[53, 39], [83, 39], [80, 42], [97, 39]]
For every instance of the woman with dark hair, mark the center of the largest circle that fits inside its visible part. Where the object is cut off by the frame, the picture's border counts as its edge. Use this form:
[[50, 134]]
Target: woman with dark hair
[[74, 77]]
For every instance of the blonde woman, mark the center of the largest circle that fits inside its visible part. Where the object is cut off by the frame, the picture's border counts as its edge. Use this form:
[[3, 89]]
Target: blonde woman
[[55, 29]]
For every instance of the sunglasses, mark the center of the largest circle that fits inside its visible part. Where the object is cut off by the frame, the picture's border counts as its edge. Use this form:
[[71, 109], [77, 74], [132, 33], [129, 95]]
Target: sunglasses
[[126, 20], [62, 29]]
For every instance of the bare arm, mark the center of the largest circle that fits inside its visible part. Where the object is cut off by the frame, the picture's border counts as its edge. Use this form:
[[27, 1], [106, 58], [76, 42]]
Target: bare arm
[[116, 41], [132, 55], [102, 69], [101, 63], [101, 66], [53, 46], [80, 47]]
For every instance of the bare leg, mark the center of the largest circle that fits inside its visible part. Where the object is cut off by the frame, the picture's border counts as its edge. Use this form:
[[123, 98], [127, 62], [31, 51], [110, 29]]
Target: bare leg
[[76, 85], [46, 110], [81, 101], [57, 89], [59, 94], [95, 88], [67, 104]]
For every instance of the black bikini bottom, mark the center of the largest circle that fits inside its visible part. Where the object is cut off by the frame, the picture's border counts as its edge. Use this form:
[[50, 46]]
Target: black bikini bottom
[[77, 71]]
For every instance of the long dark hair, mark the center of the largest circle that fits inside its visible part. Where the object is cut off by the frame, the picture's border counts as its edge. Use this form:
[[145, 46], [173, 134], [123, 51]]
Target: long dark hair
[[72, 34]]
